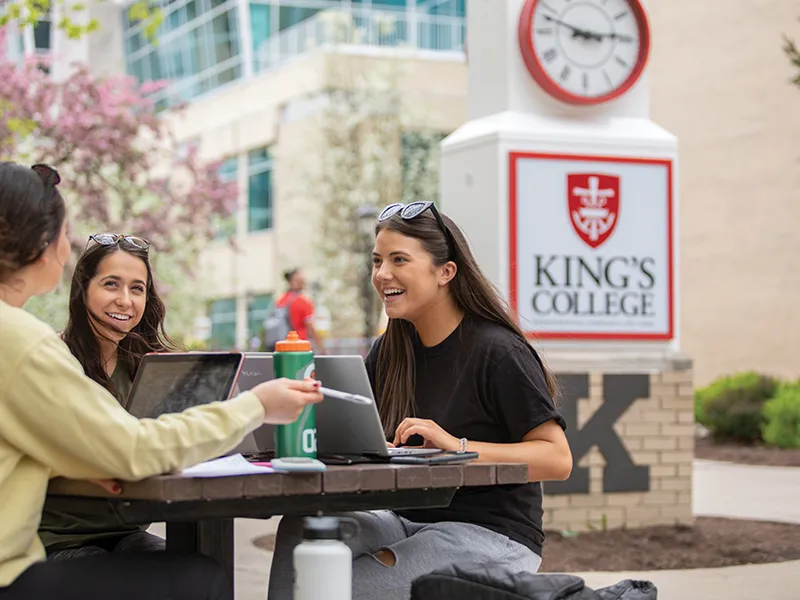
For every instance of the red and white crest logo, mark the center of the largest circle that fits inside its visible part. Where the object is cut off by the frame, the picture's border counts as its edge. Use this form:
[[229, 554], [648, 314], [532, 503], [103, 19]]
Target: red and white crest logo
[[593, 201]]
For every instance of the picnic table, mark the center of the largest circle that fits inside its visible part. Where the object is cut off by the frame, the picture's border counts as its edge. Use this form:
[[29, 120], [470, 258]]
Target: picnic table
[[199, 511]]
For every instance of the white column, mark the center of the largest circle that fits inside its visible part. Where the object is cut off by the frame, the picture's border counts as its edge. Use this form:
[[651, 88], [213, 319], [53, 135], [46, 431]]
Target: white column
[[245, 37], [412, 23], [28, 45]]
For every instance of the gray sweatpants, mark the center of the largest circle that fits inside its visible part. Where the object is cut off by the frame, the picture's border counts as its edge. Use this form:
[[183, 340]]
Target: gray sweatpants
[[418, 547]]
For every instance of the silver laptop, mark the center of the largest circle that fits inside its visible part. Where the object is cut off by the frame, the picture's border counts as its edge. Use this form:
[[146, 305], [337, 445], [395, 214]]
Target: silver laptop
[[172, 382], [343, 428]]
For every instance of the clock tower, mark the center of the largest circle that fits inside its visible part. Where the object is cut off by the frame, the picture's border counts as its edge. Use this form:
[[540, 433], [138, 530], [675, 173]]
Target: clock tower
[[564, 186]]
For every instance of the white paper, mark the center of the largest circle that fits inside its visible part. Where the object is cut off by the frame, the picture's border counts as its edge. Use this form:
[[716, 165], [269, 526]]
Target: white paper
[[235, 464]]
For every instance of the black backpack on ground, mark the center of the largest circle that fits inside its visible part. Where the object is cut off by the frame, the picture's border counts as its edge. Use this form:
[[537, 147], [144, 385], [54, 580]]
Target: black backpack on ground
[[480, 582]]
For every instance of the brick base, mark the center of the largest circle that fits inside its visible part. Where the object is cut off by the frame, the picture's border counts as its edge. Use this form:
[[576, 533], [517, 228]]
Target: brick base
[[655, 427]]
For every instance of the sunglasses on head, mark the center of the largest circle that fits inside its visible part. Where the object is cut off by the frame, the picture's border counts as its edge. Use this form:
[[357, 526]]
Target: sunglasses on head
[[110, 239], [411, 211]]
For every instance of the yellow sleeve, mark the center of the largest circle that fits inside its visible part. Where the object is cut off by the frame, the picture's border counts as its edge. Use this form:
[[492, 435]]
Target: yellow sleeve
[[56, 415]]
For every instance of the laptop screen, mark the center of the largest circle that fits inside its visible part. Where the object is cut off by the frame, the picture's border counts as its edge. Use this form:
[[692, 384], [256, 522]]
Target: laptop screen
[[171, 383]]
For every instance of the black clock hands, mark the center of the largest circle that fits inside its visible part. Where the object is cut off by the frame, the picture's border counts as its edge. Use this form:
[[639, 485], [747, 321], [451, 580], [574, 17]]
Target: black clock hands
[[621, 37], [577, 32]]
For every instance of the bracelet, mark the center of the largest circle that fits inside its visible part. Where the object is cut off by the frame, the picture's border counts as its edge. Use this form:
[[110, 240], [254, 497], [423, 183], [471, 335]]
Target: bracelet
[[462, 445]]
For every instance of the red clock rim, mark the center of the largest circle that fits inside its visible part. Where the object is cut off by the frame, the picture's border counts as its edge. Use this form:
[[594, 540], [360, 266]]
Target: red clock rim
[[536, 70]]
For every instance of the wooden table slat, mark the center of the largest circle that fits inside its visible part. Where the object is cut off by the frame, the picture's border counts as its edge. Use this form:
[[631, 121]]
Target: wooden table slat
[[511, 473], [260, 486], [412, 477], [221, 488], [479, 474], [341, 479], [298, 483], [443, 476], [377, 477], [337, 479], [173, 487]]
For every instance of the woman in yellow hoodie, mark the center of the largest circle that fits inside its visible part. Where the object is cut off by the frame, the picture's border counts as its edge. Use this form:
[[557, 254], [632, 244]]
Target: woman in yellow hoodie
[[47, 405]]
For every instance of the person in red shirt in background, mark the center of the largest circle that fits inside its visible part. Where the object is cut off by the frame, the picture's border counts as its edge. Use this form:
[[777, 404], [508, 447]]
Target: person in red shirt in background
[[301, 309]]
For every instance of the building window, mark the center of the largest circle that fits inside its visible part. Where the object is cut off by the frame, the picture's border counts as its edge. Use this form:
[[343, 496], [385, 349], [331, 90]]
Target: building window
[[259, 190], [41, 34], [228, 173], [257, 310], [222, 313], [261, 23], [292, 15]]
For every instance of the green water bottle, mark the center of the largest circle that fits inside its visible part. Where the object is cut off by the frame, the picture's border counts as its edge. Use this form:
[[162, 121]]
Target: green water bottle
[[294, 359]]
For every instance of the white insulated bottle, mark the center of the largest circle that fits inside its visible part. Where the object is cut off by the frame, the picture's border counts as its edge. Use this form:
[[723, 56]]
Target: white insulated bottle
[[323, 563]]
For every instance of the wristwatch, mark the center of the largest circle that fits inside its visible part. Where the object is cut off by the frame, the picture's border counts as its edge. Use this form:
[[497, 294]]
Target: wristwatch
[[462, 446]]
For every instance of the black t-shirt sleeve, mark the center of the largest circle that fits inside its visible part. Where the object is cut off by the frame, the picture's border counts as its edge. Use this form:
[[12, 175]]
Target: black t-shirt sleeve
[[519, 392]]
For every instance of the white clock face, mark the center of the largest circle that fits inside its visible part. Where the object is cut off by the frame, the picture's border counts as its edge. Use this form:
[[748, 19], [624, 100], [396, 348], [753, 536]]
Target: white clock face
[[588, 48]]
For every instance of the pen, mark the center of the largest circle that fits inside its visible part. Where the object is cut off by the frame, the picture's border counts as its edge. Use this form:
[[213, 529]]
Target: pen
[[345, 396]]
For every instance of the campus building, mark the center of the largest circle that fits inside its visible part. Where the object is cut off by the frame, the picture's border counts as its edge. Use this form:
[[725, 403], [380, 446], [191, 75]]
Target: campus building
[[255, 73]]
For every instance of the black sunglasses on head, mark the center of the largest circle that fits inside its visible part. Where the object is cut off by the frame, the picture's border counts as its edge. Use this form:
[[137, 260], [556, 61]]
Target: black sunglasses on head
[[411, 211], [109, 239]]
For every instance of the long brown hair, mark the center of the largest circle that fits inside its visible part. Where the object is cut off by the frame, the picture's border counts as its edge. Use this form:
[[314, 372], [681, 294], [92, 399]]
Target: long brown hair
[[473, 293], [83, 328]]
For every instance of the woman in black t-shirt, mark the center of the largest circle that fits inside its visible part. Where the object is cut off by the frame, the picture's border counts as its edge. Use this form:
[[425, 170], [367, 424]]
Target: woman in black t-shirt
[[452, 371]]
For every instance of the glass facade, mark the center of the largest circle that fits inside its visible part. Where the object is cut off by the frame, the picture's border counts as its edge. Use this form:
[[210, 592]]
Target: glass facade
[[200, 45], [197, 48]]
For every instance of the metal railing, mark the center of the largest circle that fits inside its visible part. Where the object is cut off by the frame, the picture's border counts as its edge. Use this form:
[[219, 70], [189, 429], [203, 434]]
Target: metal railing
[[358, 28]]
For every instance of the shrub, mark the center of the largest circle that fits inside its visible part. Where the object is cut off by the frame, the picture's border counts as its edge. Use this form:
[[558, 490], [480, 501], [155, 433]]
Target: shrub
[[720, 386], [782, 418], [736, 412]]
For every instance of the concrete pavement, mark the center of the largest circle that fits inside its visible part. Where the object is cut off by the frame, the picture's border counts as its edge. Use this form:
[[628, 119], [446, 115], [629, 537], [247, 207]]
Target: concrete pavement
[[746, 492]]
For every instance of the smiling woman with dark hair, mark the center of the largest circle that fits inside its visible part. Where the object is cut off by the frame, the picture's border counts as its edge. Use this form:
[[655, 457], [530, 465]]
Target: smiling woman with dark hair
[[452, 371], [115, 317], [115, 313]]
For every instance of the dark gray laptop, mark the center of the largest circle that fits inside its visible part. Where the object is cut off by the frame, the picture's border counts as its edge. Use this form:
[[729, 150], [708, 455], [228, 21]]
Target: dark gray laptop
[[257, 368], [343, 428]]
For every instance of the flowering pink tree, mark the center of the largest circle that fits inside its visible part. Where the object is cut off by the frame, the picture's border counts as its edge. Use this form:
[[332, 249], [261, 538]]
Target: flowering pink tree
[[119, 164], [121, 168]]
